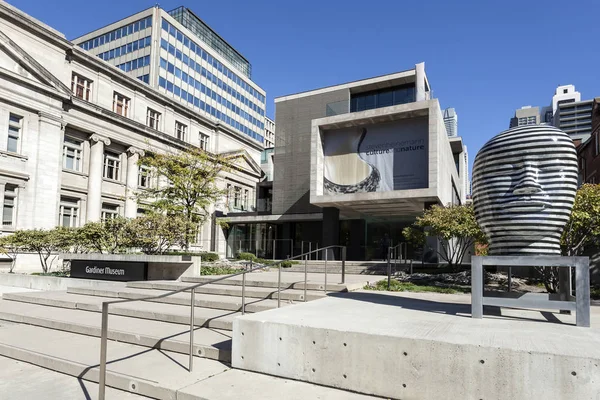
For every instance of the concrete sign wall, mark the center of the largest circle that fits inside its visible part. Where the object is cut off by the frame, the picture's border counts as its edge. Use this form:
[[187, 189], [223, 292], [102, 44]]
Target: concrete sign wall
[[376, 158]]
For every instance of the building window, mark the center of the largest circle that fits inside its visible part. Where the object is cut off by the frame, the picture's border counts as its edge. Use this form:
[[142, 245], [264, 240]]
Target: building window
[[10, 198], [81, 87], [15, 126], [180, 130], [109, 211], [152, 118], [69, 212], [72, 153], [204, 142], [112, 165], [245, 200], [237, 194], [228, 195], [144, 177], [120, 104]]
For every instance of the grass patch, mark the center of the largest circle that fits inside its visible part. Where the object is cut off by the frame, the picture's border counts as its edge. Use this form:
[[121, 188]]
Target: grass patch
[[61, 274], [397, 286], [210, 270]]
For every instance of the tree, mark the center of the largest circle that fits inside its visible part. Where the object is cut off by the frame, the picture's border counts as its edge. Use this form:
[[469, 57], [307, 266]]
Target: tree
[[455, 226], [191, 177], [108, 237], [155, 233], [40, 241], [12, 245], [581, 232]]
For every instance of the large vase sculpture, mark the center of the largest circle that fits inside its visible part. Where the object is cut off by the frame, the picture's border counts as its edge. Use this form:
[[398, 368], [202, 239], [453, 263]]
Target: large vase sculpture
[[524, 185], [345, 171]]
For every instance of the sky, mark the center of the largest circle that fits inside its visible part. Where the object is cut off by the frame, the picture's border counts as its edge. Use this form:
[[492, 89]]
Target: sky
[[484, 58]]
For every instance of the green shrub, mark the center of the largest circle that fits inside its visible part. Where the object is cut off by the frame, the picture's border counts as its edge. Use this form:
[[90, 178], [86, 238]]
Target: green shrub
[[398, 286], [205, 256], [247, 257], [218, 270], [209, 257]]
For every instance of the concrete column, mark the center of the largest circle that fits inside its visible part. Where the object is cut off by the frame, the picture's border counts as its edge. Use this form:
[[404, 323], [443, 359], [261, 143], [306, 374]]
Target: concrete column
[[420, 82], [331, 231], [356, 247], [94, 199], [133, 156]]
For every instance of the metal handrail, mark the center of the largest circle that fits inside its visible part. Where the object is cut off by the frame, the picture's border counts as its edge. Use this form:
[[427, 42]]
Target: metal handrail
[[192, 288], [394, 250]]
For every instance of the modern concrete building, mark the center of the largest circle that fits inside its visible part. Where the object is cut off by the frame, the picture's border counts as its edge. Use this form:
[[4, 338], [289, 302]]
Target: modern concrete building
[[74, 127], [269, 133], [451, 121], [567, 111], [178, 54], [354, 164], [588, 152], [526, 115]]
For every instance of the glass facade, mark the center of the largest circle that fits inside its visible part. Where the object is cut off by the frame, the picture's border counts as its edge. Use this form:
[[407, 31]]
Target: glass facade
[[188, 19], [195, 83], [135, 64], [382, 98], [126, 48], [197, 49], [117, 33]]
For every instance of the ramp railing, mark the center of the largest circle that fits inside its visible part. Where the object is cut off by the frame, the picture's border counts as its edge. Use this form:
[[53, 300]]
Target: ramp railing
[[192, 289]]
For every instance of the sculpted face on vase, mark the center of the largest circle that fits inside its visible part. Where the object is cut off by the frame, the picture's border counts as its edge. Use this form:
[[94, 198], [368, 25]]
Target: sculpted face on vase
[[524, 185]]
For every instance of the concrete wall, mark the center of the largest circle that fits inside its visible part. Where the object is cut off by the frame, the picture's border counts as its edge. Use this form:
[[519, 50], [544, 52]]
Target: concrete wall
[[50, 282], [293, 118]]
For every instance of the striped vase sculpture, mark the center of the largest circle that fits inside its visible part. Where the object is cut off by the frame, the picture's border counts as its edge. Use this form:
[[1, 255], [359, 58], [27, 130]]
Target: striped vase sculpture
[[524, 184]]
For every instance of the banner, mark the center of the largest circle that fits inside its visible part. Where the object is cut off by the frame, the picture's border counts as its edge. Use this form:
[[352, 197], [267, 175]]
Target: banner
[[376, 158]]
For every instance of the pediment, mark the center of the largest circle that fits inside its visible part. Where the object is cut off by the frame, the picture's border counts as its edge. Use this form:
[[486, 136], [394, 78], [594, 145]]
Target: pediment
[[243, 161], [15, 59]]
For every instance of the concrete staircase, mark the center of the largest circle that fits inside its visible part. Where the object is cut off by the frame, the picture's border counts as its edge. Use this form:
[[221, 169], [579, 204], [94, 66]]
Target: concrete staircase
[[149, 340], [352, 267]]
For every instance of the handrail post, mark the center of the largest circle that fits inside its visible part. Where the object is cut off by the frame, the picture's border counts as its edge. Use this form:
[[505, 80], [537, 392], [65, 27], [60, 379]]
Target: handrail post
[[309, 250], [389, 268], [244, 290], [274, 248], [192, 308], [326, 256], [103, 344], [279, 286], [305, 275], [344, 264]]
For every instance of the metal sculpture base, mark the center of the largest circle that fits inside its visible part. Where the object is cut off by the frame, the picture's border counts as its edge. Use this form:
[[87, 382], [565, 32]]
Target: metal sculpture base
[[581, 305]]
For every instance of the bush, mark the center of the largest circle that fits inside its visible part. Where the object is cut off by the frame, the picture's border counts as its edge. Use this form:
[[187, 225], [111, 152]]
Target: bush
[[205, 256], [247, 257], [398, 286], [209, 257], [218, 270]]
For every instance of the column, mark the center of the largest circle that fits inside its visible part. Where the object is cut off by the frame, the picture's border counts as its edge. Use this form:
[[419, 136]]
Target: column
[[133, 157], [94, 199], [420, 82], [331, 231]]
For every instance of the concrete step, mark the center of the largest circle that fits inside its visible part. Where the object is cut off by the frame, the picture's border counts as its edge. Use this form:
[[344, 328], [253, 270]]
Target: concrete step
[[266, 281], [20, 380], [153, 373], [204, 317], [231, 290], [208, 342], [230, 303]]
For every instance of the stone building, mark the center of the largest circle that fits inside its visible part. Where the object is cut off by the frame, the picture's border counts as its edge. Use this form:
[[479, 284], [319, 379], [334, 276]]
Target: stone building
[[74, 126]]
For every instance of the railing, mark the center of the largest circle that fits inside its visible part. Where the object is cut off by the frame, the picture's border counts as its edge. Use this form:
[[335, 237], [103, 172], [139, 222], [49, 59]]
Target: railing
[[396, 253], [192, 288]]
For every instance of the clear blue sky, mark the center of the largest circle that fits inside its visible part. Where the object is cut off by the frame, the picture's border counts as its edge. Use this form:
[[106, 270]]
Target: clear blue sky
[[484, 58]]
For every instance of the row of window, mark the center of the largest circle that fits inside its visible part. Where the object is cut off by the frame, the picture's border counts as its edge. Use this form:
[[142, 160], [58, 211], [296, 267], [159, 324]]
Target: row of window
[[144, 78], [117, 33], [126, 48], [177, 91], [195, 48], [382, 98], [236, 197], [153, 121], [135, 64], [208, 92], [211, 77], [68, 213]]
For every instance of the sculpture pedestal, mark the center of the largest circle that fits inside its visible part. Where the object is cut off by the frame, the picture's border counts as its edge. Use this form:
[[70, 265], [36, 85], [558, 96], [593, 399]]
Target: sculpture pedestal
[[581, 305]]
